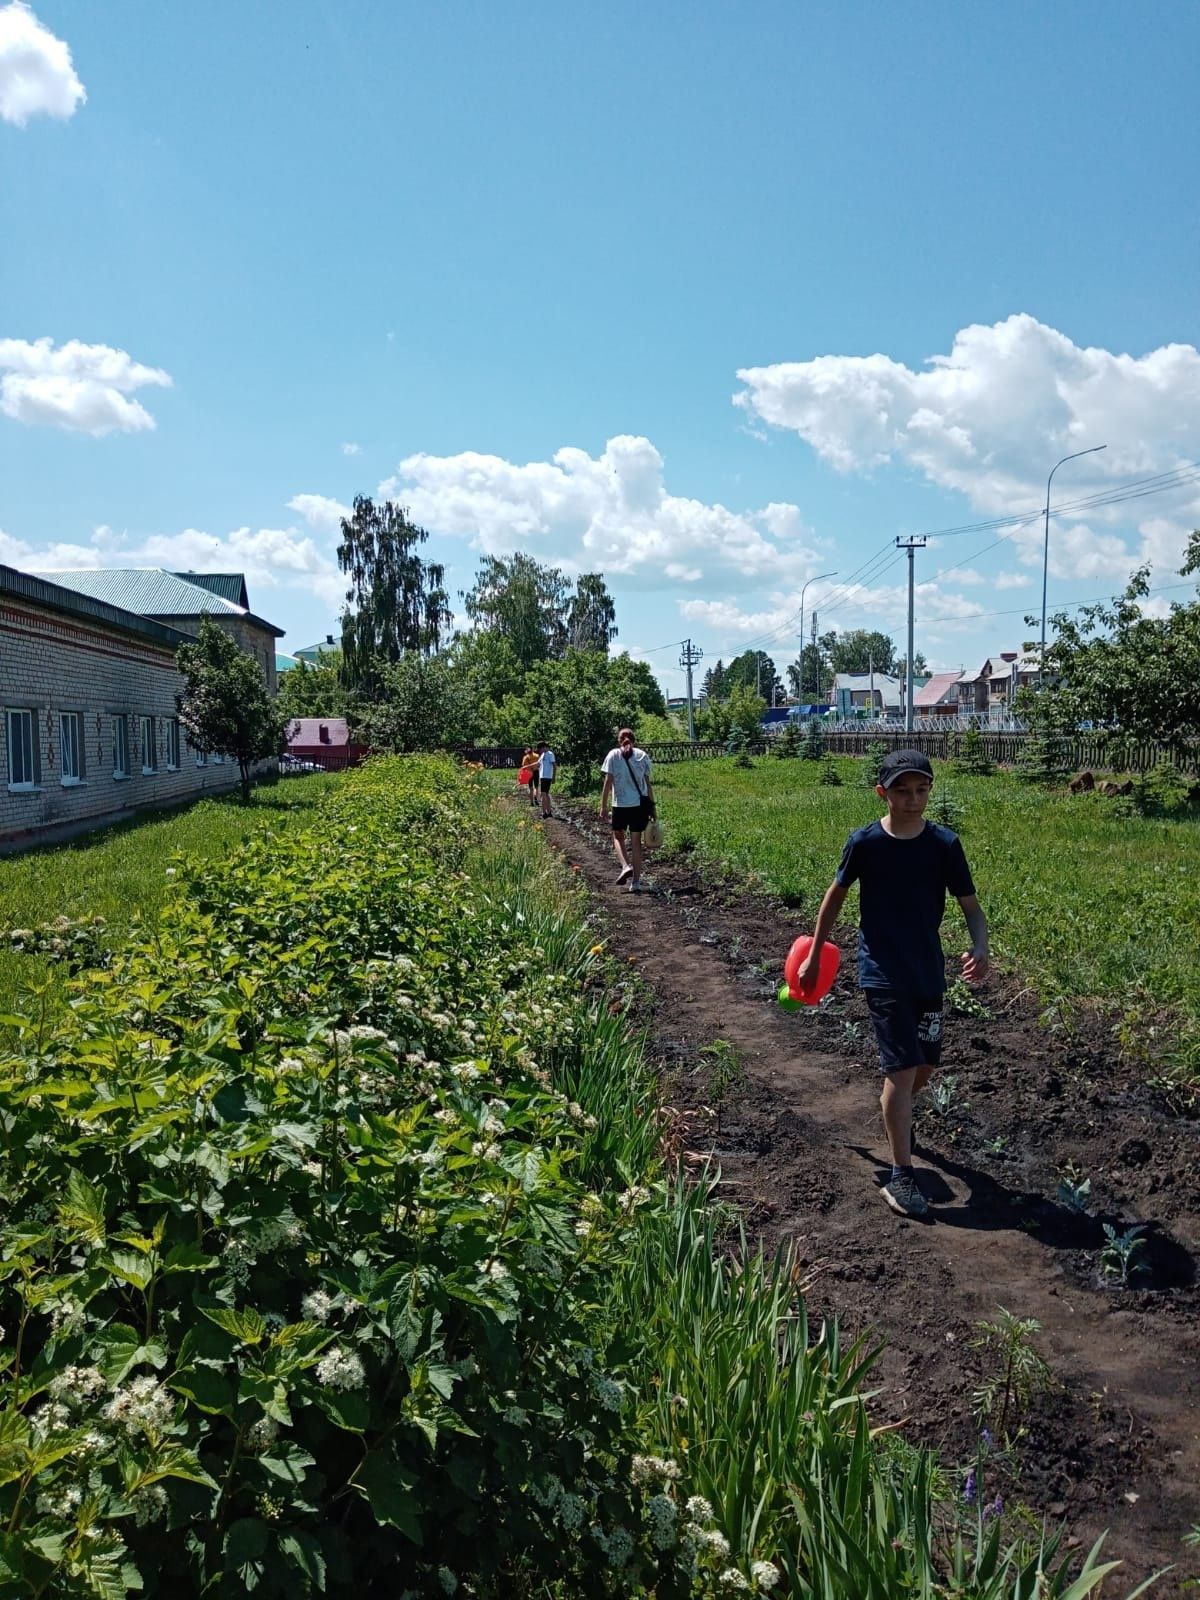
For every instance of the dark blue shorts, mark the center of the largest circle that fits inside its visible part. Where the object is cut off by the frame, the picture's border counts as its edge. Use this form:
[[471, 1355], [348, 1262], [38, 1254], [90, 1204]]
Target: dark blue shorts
[[634, 818], [908, 1028]]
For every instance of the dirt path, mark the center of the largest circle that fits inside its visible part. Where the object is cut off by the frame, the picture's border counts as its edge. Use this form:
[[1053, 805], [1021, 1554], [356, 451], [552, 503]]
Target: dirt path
[[799, 1141]]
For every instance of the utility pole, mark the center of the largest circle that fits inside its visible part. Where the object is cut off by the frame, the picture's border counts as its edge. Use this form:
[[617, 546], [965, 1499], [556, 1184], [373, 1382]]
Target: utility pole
[[910, 545], [817, 659], [691, 657], [871, 672], [1046, 549]]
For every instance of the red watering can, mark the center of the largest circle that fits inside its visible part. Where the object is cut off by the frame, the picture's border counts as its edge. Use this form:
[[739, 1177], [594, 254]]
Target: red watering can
[[791, 994]]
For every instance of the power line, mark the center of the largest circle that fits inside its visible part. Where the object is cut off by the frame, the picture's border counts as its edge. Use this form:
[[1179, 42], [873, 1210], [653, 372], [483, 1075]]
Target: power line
[[1069, 605]]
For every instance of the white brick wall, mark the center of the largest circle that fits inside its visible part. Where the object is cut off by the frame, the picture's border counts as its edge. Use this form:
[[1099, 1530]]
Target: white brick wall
[[50, 663]]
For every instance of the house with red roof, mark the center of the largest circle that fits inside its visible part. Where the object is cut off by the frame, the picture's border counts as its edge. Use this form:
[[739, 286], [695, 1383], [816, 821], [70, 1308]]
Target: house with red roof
[[324, 742]]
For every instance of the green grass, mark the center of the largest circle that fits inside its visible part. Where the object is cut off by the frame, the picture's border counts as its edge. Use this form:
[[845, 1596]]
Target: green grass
[[1083, 903], [120, 873]]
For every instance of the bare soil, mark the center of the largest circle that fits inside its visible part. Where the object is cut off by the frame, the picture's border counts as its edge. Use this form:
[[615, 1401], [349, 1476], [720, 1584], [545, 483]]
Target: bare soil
[[793, 1121]]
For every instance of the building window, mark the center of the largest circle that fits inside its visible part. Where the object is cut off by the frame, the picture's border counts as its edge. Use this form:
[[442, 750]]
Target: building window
[[71, 744], [22, 751], [201, 758], [120, 746], [149, 753], [217, 758], [173, 744]]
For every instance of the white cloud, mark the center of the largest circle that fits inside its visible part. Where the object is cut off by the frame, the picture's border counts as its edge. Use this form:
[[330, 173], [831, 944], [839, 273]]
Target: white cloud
[[351, 449], [83, 388], [320, 512], [271, 558], [610, 512], [1011, 580], [993, 416], [36, 74]]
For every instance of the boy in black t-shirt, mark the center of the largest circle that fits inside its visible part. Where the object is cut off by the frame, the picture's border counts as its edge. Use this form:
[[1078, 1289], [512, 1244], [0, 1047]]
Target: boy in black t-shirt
[[904, 867]]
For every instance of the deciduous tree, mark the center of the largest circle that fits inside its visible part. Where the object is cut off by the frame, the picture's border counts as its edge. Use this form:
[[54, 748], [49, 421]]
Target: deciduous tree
[[524, 603], [591, 614], [225, 705], [395, 601]]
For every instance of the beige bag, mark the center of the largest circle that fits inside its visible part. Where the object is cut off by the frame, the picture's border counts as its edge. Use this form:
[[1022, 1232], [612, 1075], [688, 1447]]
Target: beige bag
[[652, 837]]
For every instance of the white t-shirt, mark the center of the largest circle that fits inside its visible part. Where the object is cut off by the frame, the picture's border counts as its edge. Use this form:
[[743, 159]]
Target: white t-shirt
[[627, 791], [546, 764]]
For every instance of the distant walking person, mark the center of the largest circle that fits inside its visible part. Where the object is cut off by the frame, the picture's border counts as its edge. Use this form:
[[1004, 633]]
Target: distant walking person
[[545, 776], [904, 867], [529, 774], [627, 783]]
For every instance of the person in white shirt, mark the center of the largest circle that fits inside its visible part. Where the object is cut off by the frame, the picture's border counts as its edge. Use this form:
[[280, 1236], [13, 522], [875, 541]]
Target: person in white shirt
[[627, 783], [545, 771]]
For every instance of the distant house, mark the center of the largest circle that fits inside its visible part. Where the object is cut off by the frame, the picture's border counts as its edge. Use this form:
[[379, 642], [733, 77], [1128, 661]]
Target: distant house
[[938, 697], [325, 741], [861, 694], [313, 652], [88, 681], [989, 691]]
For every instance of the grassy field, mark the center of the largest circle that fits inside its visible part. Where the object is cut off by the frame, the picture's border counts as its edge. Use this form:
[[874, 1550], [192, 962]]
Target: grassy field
[[1085, 903], [119, 873]]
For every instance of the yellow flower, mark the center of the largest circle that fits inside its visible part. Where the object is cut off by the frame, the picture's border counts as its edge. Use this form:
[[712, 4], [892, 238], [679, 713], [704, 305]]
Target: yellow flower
[[596, 950]]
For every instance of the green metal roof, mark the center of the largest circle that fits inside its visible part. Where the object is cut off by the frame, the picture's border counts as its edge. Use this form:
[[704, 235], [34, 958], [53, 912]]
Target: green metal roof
[[151, 592], [229, 585], [43, 592]]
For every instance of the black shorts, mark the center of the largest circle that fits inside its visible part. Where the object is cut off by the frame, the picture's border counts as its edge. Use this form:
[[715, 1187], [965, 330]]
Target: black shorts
[[634, 818], [908, 1028], [544, 784]]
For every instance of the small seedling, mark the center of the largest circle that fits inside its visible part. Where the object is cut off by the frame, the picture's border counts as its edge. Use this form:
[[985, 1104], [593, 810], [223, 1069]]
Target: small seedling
[[1119, 1257], [1019, 1375], [727, 1072], [1074, 1190], [962, 1000], [943, 1092], [851, 1030], [997, 1146]]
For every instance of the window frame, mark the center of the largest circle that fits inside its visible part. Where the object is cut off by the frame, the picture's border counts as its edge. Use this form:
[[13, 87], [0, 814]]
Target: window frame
[[120, 746], [174, 745], [147, 742], [29, 751], [74, 720]]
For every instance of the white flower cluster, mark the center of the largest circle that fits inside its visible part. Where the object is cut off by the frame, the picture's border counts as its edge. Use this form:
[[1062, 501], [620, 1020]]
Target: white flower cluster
[[698, 1508], [316, 1306], [708, 1541], [653, 1469], [447, 1579], [609, 1393], [617, 1545], [149, 1504], [662, 1516], [341, 1369], [765, 1574], [62, 1503], [279, 1233], [735, 1581], [77, 1385], [142, 1406]]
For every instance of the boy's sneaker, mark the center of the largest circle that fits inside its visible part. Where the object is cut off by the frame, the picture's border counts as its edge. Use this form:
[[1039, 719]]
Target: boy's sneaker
[[636, 886], [903, 1196], [625, 874]]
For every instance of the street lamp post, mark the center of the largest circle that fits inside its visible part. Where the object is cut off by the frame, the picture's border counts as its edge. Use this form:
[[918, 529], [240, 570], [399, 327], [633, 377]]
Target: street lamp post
[[803, 588], [1046, 545]]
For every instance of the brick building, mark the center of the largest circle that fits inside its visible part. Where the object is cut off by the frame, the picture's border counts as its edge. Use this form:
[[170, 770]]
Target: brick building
[[90, 730]]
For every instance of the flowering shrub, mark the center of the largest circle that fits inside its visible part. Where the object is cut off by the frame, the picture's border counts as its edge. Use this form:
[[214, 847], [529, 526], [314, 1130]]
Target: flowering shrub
[[299, 1273]]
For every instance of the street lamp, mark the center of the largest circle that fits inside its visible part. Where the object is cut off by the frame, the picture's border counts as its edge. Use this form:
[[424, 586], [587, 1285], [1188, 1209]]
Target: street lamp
[[1046, 545], [803, 588]]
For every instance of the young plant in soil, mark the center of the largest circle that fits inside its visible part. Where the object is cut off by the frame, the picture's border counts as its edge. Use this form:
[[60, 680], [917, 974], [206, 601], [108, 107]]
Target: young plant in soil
[[1074, 1190], [1120, 1255], [1019, 1374], [726, 1074], [943, 1092]]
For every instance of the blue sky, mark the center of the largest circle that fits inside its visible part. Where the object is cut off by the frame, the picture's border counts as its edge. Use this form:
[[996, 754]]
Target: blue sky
[[713, 299]]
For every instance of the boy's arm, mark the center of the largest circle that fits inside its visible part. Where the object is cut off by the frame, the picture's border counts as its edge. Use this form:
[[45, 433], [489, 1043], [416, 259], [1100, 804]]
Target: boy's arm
[[976, 962], [605, 791], [831, 905]]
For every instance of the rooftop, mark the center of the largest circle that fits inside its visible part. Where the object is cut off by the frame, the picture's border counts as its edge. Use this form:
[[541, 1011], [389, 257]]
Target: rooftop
[[153, 592]]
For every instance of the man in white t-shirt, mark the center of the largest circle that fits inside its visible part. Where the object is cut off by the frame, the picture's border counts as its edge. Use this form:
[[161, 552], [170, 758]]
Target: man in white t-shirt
[[626, 772], [545, 772]]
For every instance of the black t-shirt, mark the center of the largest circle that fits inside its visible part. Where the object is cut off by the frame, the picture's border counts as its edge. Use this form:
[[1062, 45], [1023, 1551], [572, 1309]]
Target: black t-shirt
[[902, 899]]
